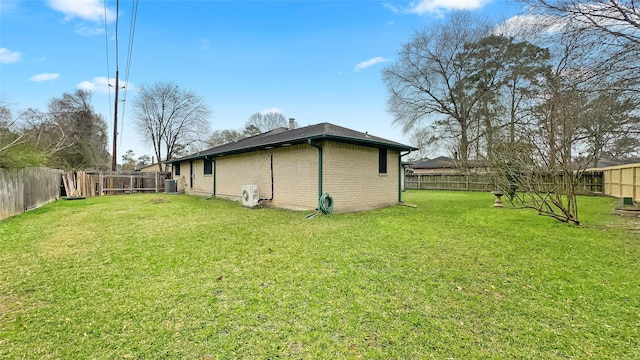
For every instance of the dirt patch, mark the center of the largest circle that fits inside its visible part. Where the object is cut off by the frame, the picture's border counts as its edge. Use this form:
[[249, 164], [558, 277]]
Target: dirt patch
[[160, 201], [631, 224], [629, 219], [631, 212], [11, 314]]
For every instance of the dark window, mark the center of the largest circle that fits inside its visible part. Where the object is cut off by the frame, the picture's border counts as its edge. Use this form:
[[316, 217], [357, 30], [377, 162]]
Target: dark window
[[176, 166], [382, 161], [208, 167]]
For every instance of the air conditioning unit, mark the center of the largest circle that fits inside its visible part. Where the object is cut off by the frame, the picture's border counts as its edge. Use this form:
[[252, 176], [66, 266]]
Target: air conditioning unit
[[250, 195]]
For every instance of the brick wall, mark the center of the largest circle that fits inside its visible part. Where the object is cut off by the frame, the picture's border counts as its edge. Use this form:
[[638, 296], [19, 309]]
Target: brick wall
[[243, 169], [181, 180], [295, 173], [202, 184], [351, 177]]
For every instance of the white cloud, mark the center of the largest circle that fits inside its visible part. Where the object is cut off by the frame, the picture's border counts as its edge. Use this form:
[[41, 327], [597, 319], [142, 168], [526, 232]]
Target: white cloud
[[272, 110], [7, 56], [370, 62], [102, 85], [394, 9], [89, 31], [437, 7], [92, 10], [44, 77], [529, 26]]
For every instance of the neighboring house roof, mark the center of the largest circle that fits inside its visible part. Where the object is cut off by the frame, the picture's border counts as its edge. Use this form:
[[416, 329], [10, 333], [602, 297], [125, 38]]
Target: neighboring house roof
[[603, 163], [153, 167], [285, 137], [441, 162]]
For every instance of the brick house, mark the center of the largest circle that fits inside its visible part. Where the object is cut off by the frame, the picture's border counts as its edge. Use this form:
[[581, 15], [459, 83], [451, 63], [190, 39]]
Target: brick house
[[292, 168]]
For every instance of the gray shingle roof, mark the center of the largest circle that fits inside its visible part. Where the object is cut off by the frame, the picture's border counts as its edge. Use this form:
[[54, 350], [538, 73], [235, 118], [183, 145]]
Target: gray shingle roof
[[441, 162], [284, 137]]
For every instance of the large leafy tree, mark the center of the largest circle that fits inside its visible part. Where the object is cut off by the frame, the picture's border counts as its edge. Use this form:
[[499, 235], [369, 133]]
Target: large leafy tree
[[85, 132], [129, 160], [507, 72], [172, 119]]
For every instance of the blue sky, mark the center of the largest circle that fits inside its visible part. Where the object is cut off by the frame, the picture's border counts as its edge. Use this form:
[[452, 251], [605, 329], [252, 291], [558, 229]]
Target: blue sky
[[315, 61]]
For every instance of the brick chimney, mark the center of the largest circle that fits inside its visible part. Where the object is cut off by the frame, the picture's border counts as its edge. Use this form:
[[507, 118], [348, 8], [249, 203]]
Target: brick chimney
[[292, 123]]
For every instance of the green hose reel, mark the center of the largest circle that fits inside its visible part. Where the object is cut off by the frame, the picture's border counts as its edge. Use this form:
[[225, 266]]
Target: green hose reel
[[325, 204]]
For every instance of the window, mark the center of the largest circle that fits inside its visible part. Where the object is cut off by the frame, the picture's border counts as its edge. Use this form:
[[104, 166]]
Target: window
[[176, 166], [208, 168], [382, 161]]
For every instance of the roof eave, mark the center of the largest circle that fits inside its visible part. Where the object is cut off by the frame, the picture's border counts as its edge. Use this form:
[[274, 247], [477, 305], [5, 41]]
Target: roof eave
[[303, 140]]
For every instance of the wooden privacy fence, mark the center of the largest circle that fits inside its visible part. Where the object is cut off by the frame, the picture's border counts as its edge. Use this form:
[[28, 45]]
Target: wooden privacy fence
[[462, 182], [87, 184], [591, 182], [24, 189], [622, 181], [78, 184], [128, 182]]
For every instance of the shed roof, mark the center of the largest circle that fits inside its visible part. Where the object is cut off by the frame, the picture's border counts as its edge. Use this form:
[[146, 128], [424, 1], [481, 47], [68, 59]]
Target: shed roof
[[285, 137]]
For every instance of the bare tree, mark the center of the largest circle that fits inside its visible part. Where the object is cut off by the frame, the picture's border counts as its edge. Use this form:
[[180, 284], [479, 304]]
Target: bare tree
[[568, 129], [43, 131], [611, 18], [8, 137], [221, 137], [610, 120], [172, 119], [423, 140], [608, 34], [266, 121], [429, 82]]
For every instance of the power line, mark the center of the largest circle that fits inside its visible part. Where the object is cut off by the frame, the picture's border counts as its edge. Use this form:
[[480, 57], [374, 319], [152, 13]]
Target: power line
[[132, 29]]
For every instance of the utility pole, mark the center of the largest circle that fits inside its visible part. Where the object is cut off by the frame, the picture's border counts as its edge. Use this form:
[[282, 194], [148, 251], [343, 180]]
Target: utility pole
[[114, 161], [115, 126]]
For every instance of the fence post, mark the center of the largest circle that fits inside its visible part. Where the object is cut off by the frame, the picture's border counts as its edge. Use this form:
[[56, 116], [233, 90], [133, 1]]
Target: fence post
[[635, 183]]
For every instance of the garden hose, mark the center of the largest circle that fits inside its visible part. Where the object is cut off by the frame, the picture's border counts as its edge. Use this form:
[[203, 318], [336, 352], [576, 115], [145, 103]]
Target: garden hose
[[326, 203]]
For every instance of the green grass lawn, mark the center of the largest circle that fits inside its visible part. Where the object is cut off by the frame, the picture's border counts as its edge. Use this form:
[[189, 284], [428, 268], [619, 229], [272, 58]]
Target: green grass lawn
[[157, 276]]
